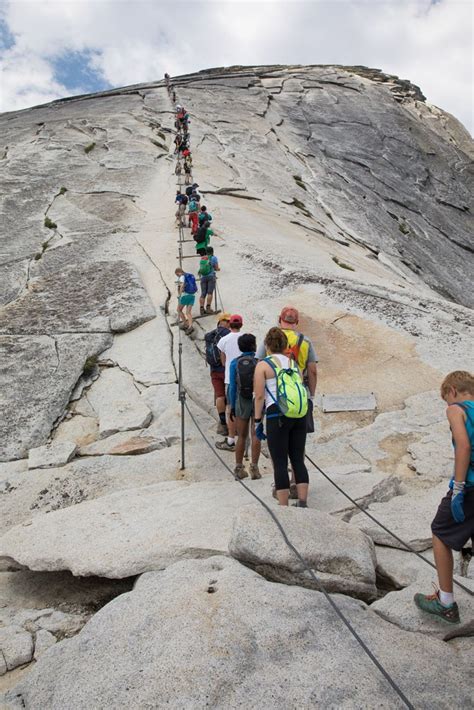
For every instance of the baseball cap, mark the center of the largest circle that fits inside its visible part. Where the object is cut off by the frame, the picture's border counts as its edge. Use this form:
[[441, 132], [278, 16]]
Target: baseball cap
[[236, 319], [289, 315], [223, 316]]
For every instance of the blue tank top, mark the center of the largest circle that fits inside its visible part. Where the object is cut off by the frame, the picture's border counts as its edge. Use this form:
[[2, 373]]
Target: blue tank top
[[468, 407]]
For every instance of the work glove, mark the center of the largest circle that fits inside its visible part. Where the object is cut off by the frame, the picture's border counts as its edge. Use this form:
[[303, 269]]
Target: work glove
[[232, 415], [457, 501], [259, 432]]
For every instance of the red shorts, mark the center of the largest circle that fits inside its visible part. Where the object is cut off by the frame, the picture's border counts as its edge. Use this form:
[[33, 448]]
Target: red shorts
[[217, 379]]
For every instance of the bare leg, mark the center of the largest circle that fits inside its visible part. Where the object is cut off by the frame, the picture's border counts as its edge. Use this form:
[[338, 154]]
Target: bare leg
[[256, 447], [444, 564], [302, 489], [189, 316], [181, 315], [283, 496], [230, 424], [220, 405], [242, 426]]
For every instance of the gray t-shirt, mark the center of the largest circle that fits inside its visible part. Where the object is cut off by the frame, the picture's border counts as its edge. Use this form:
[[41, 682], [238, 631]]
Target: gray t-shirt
[[312, 357]]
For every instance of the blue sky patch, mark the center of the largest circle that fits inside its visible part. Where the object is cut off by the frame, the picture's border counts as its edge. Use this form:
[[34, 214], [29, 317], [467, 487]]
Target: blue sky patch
[[73, 70], [7, 40]]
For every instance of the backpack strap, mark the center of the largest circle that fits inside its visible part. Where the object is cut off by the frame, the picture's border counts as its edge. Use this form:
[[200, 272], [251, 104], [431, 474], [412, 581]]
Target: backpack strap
[[273, 366], [298, 345]]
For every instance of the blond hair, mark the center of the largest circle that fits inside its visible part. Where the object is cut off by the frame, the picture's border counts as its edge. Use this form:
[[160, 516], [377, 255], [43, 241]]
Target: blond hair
[[460, 380]]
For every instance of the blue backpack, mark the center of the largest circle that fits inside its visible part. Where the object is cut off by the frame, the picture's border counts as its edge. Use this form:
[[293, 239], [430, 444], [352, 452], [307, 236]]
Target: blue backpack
[[190, 285]]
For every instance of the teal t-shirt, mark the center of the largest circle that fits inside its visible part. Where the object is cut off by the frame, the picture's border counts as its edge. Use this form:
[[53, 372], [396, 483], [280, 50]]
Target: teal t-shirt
[[468, 407]]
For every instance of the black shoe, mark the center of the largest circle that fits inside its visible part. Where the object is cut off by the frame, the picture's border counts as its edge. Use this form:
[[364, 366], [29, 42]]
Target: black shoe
[[300, 504]]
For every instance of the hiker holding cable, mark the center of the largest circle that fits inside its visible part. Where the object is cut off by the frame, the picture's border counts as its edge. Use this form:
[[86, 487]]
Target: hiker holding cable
[[453, 525], [279, 388]]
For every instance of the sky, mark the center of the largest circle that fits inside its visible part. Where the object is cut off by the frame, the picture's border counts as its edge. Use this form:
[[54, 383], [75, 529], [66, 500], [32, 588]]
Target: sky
[[55, 48]]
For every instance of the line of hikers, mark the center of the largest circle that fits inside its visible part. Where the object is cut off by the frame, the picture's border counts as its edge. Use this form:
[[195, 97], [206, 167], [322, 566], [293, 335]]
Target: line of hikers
[[277, 382]]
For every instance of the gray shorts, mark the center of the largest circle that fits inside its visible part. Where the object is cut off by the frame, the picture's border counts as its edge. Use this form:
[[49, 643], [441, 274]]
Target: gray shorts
[[243, 407], [208, 284]]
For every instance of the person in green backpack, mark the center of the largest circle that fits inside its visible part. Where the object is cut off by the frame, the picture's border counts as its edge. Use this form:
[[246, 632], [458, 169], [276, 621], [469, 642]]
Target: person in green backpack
[[279, 388], [208, 265]]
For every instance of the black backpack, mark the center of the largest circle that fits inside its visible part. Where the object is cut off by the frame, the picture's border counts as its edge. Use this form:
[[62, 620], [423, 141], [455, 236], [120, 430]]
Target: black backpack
[[245, 369], [200, 235], [213, 354]]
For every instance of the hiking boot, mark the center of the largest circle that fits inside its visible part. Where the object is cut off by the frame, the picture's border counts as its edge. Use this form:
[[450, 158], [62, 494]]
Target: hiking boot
[[300, 504], [432, 605], [202, 311], [293, 491], [224, 446], [254, 472], [189, 330], [240, 472], [209, 310], [222, 429]]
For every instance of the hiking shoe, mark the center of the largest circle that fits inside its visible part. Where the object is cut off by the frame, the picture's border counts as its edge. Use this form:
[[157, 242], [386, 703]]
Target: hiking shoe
[[188, 331], [293, 491], [432, 605], [240, 472], [254, 472], [300, 504], [202, 311], [222, 429], [209, 310], [224, 446]]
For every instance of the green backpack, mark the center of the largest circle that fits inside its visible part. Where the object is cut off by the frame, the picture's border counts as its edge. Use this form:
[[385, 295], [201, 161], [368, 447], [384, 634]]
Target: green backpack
[[205, 266], [292, 397]]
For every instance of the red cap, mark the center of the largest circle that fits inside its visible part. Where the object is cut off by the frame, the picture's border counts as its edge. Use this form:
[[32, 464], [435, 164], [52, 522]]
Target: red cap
[[236, 319], [289, 315]]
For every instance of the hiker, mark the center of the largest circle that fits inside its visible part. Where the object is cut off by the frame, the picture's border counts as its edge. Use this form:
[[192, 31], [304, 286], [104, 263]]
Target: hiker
[[186, 296], [229, 349], [177, 170], [173, 96], [453, 524], [187, 174], [181, 211], [203, 236], [241, 377], [278, 386], [213, 359], [301, 350], [189, 191], [204, 215], [208, 265]]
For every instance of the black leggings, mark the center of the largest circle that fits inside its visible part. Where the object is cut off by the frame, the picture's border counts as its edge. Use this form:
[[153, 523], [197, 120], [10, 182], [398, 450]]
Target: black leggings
[[286, 438]]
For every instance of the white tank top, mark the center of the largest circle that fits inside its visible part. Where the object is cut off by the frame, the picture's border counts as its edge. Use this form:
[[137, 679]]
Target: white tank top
[[271, 382]]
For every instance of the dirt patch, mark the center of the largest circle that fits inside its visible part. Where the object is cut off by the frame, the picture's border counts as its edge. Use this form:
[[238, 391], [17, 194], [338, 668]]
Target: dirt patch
[[360, 356], [398, 460]]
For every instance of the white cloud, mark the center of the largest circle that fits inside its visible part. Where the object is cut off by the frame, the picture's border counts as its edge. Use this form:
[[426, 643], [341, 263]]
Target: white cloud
[[131, 42]]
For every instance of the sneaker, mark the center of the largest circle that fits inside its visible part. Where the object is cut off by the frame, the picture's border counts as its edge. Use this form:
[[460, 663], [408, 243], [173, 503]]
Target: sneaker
[[293, 491], [224, 446], [254, 472], [432, 605], [240, 472], [222, 429], [300, 504]]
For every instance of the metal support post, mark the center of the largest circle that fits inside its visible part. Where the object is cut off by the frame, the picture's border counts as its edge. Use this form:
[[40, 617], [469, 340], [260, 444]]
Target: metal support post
[[182, 399]]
